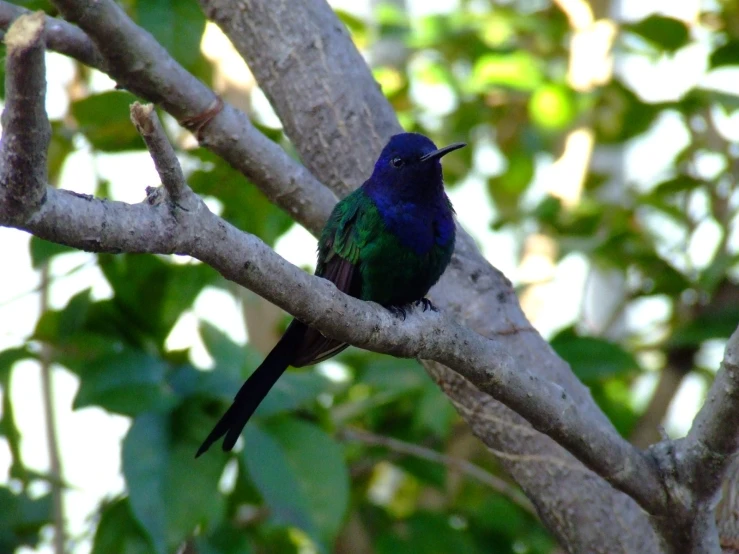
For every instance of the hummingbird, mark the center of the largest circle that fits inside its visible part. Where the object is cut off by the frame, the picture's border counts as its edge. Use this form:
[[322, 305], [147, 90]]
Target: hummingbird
[[387, 242]]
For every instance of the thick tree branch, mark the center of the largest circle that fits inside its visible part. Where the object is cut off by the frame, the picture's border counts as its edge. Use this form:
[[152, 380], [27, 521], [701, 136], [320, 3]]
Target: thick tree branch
[[26, 129]]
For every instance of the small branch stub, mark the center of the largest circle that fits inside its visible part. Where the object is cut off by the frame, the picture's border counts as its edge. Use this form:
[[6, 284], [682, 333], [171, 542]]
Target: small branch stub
[[145, 118], [26, 129]]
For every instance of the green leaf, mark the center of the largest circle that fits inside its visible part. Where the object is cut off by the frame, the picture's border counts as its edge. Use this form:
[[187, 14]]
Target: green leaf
[[427, 532], [552, 107], [9, 357], [664, 32], [713, 325], [269, 468], [118, 531], [8, 427], [620, 114], [293, 390], [192, 500], [21, 519], [225, 539], [614, 398], [60, 146], [244, 205], [435, 412], [715, 274], [229, 356], [301, 473], [104, 119], [178, 26], [729, 102], [387, 373], [593, 359], [678, 184], [727, 54], [506, 189], [356, 26], [145, 453], [74, 315], [517, 70], [495, 513], [129, 383], [43, 250], [187, 381], [152, 294]]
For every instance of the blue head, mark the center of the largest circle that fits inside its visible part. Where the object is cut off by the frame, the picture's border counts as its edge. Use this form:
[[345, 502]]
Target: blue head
[[410, 164]]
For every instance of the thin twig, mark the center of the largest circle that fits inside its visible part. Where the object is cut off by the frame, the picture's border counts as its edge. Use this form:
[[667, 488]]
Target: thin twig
[[146, 121], [52, 443], [497, 484], [26, 129]]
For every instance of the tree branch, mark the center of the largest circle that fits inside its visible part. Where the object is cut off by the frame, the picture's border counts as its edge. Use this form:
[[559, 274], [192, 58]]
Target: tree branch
[[702, 459], [52, 441], [712, 441], [26, 128]]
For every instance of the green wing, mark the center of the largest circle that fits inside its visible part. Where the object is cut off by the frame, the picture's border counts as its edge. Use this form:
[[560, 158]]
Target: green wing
[[338, 261]]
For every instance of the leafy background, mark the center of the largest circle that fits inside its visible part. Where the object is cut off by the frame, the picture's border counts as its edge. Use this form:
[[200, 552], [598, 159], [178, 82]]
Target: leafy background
[[601, 178]]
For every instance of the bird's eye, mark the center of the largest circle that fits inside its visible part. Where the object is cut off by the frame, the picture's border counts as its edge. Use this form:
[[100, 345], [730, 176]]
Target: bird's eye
[[396, 162]]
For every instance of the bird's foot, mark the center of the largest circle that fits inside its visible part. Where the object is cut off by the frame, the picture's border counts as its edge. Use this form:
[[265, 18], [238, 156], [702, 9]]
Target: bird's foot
[[402, 311], [397, 311], [426, 304]]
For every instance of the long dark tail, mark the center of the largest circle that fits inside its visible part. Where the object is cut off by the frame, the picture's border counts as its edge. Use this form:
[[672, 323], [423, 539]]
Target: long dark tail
[[256, 387]]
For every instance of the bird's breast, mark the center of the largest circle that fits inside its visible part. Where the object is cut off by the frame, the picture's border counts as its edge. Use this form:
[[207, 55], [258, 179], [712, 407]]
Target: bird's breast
[[418, 228], [408, 255]]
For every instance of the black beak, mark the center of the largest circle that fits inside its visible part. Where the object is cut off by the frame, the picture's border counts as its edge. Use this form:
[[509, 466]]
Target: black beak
[[436, 154]]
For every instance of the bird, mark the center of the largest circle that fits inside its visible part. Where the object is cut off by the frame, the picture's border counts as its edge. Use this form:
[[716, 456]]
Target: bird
[[387, 242]]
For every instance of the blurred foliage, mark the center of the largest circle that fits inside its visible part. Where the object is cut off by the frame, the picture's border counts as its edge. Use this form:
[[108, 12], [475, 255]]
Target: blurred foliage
[[295, 486]]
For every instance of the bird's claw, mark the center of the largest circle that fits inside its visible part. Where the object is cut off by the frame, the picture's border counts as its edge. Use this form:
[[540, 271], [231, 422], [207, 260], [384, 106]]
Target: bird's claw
[[426, 304], [402, 311], [397, 311]]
